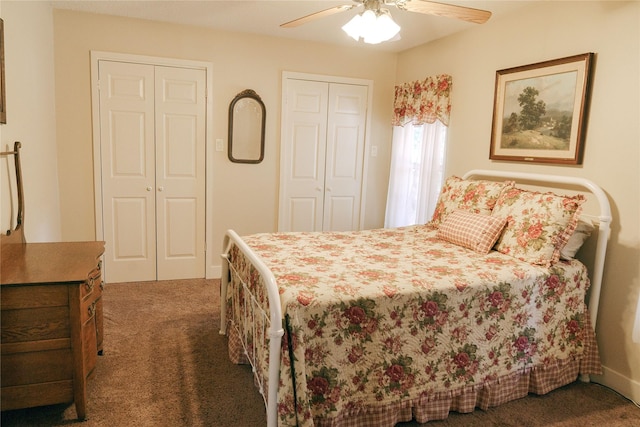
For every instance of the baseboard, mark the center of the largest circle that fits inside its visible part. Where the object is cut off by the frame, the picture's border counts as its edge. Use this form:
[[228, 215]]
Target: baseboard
[[214, 272], [620, 383]]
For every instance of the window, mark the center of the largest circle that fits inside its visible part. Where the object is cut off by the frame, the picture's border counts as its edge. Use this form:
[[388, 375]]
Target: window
[[417, 173]]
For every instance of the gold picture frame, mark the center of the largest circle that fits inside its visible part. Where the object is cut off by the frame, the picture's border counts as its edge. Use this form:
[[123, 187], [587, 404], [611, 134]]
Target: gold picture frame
[[540, 111]]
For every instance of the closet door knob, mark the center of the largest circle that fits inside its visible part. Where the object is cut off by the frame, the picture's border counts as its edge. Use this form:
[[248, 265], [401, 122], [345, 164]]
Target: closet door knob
[[160, 188], [149, 188], [318, 188]]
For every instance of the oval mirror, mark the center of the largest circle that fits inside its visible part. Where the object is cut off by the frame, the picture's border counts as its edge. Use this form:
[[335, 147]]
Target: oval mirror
[[246, 128]]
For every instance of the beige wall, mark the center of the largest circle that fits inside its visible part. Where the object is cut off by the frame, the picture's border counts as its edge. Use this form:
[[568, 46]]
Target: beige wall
[[542, 32], [240, 61], [30, 120]]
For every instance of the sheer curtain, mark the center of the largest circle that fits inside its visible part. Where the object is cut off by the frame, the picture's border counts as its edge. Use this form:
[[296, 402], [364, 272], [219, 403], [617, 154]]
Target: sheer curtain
[[421, 115], [417, 170]]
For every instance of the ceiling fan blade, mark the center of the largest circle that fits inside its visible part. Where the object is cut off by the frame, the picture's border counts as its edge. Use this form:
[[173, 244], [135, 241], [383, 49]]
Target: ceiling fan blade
[[316, 15], [447, 10]]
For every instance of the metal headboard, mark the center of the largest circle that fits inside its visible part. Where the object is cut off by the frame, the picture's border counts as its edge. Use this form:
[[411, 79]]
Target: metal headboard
[[604, 218]]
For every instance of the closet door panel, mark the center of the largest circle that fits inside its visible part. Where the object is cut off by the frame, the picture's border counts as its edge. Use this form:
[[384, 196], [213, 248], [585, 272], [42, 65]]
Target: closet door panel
[[303, 213], [180, 168], [128, 170], [347, 111], [303, 156], [306, 152], [339, 213]]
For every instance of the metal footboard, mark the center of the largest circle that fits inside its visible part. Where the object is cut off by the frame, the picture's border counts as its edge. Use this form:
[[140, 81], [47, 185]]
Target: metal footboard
[[261, 321]]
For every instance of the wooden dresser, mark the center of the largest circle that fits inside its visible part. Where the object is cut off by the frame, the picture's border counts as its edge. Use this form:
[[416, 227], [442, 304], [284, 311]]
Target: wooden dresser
[[51, 322]]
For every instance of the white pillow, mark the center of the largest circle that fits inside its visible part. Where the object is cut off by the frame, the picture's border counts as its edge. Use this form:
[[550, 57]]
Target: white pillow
[[577, 239]]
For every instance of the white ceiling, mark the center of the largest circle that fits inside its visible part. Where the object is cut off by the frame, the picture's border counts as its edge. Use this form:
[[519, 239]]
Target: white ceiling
[[264, 17]]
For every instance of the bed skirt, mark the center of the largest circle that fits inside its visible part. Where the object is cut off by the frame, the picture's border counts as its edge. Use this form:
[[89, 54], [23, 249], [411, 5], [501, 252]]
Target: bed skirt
[[436, 406]]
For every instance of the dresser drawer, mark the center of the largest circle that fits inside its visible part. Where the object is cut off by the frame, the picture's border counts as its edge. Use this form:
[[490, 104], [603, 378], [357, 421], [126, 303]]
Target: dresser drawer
[[40, 394], [33, 296], [36, 367], [34, 324]]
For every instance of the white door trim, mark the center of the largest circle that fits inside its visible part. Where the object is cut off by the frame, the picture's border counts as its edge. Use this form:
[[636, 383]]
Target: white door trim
[[211, 269], [292, 75]]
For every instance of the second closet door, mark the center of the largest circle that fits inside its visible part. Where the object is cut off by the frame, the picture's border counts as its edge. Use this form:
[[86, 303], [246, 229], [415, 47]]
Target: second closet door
[[152, 150], [322, 156]]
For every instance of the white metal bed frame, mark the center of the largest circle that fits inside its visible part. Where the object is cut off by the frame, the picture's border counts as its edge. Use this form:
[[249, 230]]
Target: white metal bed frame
[[274, 318]]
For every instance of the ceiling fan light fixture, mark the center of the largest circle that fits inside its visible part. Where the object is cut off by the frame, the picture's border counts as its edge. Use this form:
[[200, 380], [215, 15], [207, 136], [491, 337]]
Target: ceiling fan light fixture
[[387, 26], [369, 18], [372, 26], [352, 28]]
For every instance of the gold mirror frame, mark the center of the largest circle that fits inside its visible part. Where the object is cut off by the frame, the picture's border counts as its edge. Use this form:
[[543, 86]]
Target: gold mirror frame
[[247, 116]]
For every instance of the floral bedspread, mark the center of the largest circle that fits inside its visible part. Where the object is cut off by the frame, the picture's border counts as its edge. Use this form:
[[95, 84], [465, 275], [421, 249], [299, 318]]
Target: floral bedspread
[[382, 316]]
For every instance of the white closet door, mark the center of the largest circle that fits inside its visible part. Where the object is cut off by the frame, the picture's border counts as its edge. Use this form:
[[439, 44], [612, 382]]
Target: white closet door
[[322, 155], [303, 156], [180, 172], [346, 123], [128, 170], [152, 142]]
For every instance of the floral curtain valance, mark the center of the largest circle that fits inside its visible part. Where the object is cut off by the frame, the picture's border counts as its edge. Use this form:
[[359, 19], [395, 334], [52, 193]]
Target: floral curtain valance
[[423, 101]]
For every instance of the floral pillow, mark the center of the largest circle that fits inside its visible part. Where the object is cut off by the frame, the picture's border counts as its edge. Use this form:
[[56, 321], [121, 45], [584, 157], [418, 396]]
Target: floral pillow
[[538, 224], [477, 232], [475, 196]]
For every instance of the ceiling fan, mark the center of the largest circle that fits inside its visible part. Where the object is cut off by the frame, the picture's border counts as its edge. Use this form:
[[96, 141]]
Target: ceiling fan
[[469, 14], [374, 24]]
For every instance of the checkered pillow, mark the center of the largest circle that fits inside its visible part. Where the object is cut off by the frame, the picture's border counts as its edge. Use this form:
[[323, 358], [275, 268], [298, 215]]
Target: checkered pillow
[[471, 230]]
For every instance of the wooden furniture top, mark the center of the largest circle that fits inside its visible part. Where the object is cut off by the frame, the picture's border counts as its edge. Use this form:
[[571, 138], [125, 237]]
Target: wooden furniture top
[[37, 263]]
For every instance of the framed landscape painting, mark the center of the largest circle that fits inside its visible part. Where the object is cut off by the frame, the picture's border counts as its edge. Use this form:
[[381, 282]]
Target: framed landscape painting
[[540, 111]]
